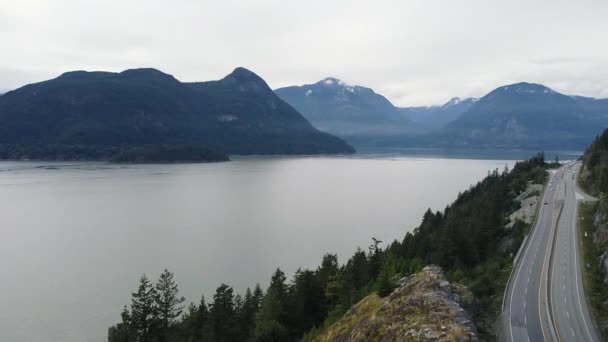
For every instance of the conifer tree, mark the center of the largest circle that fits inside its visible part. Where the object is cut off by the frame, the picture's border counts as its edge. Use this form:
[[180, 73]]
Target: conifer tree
[[258, 296], [143, 310], [271, 322], [222, 315], [168, 304]]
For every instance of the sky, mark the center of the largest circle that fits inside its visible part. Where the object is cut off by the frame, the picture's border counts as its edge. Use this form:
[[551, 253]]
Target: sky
[[413, 52]]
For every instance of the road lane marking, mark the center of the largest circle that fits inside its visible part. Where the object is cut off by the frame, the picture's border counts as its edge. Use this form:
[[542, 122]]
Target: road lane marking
[[576, 269], [534, 234]]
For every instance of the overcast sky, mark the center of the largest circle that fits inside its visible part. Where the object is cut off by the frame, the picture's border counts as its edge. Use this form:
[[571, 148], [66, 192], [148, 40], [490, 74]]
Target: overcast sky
[[413, 52]]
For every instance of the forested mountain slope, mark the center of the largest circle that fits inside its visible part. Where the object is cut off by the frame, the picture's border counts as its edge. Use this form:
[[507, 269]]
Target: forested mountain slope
[[91, 115]]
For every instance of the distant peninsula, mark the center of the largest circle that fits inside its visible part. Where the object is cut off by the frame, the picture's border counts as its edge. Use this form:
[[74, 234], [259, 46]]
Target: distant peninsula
[[168, 154]]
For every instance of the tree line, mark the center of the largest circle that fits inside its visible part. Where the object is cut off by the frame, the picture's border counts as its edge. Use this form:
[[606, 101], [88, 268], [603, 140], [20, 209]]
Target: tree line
[[465, 239]]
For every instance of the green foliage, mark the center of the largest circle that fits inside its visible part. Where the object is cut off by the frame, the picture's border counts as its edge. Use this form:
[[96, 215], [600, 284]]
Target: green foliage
[[223, 315], [143, 311], [168, 305], [168, 154], [594, 272], [595, 176]]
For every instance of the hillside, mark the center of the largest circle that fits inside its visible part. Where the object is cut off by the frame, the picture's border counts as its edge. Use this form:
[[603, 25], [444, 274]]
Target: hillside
[[593, 177], [424, 307], [525, 115], [349, 111], [91, 115]]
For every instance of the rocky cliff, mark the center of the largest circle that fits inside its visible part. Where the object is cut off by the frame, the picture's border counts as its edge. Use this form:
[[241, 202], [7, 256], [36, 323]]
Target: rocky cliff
[[424, 307]]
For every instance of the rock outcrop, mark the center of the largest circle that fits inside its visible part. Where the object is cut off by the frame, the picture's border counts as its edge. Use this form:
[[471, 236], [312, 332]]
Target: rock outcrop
[[424, 307], [529, 201]]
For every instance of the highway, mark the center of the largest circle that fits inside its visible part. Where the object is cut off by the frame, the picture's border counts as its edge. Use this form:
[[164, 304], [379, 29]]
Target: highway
[[569, 307], [544, 299]]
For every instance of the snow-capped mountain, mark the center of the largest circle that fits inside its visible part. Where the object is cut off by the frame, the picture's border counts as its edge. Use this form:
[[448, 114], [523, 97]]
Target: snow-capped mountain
[[346, 110]]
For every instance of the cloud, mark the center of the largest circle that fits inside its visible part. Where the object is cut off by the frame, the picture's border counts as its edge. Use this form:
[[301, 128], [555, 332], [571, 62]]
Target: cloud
[[414, 52]]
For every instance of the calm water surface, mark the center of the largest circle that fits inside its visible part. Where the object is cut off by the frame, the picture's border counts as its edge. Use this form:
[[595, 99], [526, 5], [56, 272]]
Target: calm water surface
[[75, 237]]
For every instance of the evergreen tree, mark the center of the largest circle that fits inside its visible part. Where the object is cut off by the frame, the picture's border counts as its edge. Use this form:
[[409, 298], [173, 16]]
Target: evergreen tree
[[247, 315], [222, 315], [143, 310], [309, 305], [168, 305], [272, 318], [202, 327], [122, 331], [384, 285], [258, 296]]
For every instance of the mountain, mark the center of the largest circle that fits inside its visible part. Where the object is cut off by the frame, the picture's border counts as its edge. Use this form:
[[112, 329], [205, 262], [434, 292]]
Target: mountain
[[435, 117], [527, 115], [91, 115], [518, 116], [348, 111]]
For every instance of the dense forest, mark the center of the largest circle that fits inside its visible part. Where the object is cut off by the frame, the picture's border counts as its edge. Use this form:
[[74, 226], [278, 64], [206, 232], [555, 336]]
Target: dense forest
[[468, 239], [168, 154], [595, 160], [594, 221]]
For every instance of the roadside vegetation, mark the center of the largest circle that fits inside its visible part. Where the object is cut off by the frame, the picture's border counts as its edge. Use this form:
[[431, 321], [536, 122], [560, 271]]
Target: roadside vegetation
[[593, 221], [593, 272], [468, 239]]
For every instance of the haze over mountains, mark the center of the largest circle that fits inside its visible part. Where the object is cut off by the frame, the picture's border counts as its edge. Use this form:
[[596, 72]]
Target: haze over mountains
[[347, 110], [435, 117], [517, 116], [91, 115]]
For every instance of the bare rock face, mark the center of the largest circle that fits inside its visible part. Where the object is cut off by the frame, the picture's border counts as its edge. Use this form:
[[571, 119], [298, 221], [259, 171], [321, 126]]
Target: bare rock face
[[424, 307], [529, 202], [600, 237]]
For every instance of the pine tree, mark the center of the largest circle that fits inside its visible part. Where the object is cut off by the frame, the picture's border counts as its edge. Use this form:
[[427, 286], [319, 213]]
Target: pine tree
[[121, 332], [384, 285], [272, 318], [143, 310], [168, 304], [247, 315], [203, 318], [222, 315], [258, 296]]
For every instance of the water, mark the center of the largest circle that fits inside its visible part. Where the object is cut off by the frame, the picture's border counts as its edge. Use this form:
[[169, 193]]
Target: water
[[75, 237]]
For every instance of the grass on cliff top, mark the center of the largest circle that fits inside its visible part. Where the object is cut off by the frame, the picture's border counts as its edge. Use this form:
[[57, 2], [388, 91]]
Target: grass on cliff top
[[593, 277]]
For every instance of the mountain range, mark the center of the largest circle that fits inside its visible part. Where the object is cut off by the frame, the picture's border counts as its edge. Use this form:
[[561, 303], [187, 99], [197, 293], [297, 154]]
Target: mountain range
[[94, 115], [517, 116]]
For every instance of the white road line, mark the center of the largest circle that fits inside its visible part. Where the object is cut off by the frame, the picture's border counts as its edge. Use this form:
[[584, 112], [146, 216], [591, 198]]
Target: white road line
[[518, 270], [576, 269], [568, 314]]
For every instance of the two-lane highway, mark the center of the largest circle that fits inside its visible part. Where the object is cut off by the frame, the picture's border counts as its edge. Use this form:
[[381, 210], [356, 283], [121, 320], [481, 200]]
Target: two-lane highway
[[568, 305], [523, 303], [544, 299]]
